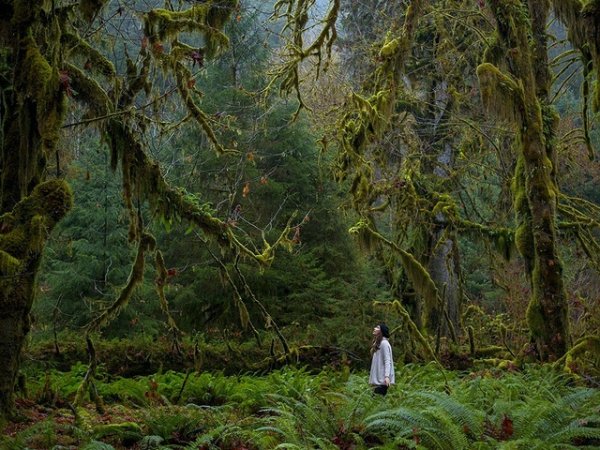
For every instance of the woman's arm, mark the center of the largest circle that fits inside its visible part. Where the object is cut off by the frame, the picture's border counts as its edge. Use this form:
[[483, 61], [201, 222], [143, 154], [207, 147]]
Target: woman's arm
[[386, 349]]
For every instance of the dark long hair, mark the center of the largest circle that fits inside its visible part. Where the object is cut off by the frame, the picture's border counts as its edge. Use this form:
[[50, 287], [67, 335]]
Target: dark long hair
[[384, 333], [376, 343]]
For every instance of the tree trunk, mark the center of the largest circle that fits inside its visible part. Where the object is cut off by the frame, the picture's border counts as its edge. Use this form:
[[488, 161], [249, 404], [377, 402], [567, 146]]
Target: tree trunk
[[442, 252], [15, 304], [534, 184], [23, 234], [443, 269]]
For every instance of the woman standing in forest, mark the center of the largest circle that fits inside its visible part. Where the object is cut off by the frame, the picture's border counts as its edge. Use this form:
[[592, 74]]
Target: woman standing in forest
[[382, 363]]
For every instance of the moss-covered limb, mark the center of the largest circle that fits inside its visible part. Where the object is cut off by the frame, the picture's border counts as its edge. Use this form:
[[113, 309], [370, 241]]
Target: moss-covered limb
[[585, 92], [172, 61], [587, 344], [90, 92], [84, 387], [578, 207], [94, 60], [146, 243], [143, 176], [579, 212], [367, 117], [87, 386], [183, 77], [295, 14], [412, 328]]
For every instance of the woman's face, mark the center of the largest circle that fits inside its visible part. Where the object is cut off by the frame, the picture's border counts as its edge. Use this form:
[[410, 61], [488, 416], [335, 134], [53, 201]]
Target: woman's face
[[376, 331]]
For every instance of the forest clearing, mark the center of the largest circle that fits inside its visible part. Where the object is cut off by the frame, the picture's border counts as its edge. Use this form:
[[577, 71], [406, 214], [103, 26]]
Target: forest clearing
[[299, 224]]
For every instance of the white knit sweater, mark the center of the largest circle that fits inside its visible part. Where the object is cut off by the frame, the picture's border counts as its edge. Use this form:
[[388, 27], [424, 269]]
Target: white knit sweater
[[382, 364]]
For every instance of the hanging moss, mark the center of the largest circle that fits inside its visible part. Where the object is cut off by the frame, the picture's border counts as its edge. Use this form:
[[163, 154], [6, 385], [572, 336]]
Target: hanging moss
[[207, 18], [500, 93]]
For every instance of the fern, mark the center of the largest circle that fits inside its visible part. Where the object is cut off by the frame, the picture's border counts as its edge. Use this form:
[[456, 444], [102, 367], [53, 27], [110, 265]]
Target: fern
[[469, 418]]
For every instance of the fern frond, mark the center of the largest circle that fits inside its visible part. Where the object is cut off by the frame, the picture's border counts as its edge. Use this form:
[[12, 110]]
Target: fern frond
[[462, 414], [575, 431]]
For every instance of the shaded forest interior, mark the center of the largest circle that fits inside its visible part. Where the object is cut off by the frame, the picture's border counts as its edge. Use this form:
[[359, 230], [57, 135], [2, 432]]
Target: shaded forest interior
[[208, 205]]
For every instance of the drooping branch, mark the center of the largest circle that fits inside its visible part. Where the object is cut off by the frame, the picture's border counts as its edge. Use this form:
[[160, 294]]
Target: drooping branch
[[417, 274]]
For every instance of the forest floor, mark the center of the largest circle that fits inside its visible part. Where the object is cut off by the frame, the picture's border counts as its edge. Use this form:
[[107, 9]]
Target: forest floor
[[291, 408]]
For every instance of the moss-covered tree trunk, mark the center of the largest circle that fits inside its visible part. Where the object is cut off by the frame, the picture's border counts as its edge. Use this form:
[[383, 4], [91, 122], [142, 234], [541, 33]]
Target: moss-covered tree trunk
[[519, 90], [24, 232], [32, 110]]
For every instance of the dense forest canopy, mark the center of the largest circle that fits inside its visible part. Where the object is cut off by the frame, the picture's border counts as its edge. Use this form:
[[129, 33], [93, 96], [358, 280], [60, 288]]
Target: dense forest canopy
[[237, 186]]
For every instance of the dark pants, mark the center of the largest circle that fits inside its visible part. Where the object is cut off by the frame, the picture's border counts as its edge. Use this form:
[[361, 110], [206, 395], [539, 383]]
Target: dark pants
[[380, 389]]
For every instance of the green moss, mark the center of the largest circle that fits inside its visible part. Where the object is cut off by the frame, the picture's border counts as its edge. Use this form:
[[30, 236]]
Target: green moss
[[118, 429], [38, 73], [14, 242], [389, 48], [524, 241], [535, 318], [53, 199], [30, 223]]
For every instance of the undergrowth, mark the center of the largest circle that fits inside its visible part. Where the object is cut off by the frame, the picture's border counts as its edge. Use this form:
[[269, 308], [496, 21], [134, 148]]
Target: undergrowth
[[429, 408]]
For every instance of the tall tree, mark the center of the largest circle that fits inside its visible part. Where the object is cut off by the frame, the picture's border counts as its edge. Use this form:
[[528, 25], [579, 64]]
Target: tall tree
[[515, 84]]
